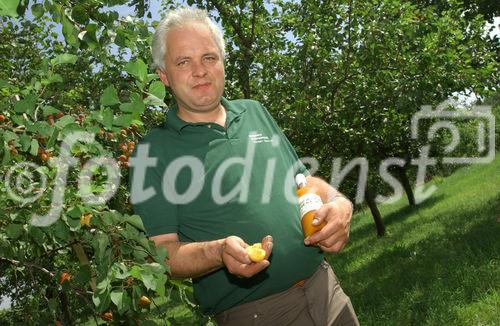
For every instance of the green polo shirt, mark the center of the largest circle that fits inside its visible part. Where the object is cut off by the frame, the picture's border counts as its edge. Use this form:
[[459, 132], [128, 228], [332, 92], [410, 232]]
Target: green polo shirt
[[211, 182]]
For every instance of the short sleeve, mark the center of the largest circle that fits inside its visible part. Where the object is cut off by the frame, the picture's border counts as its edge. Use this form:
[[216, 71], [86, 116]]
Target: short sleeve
[[158, 215]]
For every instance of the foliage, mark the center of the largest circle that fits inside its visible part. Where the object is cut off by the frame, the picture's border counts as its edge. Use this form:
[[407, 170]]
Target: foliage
[[95, 259]]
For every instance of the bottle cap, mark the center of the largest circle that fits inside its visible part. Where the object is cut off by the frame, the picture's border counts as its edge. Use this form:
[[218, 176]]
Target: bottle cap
[[300, 180]]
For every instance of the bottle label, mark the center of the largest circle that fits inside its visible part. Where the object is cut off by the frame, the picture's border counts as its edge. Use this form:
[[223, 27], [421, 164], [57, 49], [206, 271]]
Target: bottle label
[[309, 202]]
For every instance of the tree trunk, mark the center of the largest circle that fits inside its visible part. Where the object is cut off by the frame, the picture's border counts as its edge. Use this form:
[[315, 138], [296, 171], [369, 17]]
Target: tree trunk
[[245, 74], [406, 185], [377, 218], [67, 318]]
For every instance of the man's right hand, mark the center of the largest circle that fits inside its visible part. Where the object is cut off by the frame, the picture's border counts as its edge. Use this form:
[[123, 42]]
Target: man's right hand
[[236, 259]]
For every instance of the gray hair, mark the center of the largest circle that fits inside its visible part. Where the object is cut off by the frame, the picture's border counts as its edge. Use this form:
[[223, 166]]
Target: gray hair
[[178, 18]]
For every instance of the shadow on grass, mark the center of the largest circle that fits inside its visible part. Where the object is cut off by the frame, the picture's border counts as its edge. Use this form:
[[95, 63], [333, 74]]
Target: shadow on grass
[[425, 282], [397, 216]]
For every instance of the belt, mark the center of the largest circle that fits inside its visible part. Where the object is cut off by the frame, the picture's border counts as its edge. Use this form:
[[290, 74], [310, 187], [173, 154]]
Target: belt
[[299, 283]]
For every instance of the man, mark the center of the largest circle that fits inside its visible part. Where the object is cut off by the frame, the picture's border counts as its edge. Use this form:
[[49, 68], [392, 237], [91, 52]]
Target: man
[[220, 177]]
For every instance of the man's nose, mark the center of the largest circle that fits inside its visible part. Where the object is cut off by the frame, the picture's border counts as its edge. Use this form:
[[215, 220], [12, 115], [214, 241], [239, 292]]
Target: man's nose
[[199, 69]]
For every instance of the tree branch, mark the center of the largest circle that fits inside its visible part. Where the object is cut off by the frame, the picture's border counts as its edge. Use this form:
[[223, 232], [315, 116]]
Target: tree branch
[[237, 28], [347, 63]]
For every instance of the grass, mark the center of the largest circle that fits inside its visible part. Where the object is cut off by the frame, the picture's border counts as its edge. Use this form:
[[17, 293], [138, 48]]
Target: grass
[[439, 263]]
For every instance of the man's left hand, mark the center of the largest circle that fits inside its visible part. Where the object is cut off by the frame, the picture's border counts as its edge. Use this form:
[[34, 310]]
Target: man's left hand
[[334, 235]]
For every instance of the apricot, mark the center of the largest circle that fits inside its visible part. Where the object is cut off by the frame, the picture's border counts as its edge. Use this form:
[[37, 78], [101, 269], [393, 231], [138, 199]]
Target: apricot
[[256, 253], [144, 302], [65, 276], [85, 219], [107, 316]]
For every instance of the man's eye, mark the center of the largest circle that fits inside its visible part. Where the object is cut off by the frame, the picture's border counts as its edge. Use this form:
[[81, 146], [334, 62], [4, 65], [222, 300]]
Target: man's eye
[[210, 58], [182, 63]]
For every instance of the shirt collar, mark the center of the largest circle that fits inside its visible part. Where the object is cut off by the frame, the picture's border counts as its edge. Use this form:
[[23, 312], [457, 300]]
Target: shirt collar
[[173, 120]]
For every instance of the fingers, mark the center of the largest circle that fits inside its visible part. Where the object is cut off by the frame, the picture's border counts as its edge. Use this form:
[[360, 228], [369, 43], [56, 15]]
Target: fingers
[[331, 215], [335, 234], [321, 215], [337, 247], [237, 260], [235, 247], [249, 270], [267, 245]]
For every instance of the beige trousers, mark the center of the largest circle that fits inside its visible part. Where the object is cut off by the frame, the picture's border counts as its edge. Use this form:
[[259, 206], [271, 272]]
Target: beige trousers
[[320, 301]]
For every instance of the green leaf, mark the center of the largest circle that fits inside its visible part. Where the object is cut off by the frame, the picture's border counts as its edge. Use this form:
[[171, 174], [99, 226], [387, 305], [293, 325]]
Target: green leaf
[[100, 244], [161, 280], [101, 300], [6, 155], [161, 255], [153, 100], [74, 212], [116, 298], [120, 270], [64, 58], [135, 106], [60, 230], [34, 147], [74, 224], [27, 104], [103, 285], [14, 231], [4, 84], [8, 7], [49, 110], [53, 138], [107, 118], [69, 31], [41, 127], [84, 274], [79, 14], [137, 69], [25, 141], [149, 281], [52, 78], [124, 120], [36, 234], [126, 302], [37, 10], [109, 96], [136, 272], [157, 89], [156, 268], [9, 135], [136, 221], [64, 121]]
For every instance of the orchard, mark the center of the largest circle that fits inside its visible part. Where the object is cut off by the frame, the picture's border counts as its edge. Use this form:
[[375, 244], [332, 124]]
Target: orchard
[[342, 78]]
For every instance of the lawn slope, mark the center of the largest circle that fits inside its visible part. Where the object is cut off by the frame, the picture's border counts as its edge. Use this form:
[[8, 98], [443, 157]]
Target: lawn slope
[[439, 263]]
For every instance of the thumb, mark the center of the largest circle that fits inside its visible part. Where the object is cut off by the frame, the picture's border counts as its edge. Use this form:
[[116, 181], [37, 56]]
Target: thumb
[[267, 245], [320, 215]]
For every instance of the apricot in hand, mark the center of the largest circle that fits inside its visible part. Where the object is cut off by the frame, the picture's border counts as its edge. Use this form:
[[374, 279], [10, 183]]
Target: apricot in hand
[[256, 253]]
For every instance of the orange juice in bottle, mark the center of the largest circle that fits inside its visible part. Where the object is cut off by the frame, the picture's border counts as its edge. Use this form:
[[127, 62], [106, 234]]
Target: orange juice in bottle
[[309, 202]]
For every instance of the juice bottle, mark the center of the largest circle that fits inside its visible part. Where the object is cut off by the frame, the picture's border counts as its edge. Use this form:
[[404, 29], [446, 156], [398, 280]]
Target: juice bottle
[[309, 202]]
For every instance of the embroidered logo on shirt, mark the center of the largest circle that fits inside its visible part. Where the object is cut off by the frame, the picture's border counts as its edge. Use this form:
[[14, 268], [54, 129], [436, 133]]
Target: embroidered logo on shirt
[[256, 137]]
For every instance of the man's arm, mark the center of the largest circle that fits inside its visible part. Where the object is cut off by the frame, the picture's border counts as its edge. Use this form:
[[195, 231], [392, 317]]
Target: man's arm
[[336, 211], [194, 259]]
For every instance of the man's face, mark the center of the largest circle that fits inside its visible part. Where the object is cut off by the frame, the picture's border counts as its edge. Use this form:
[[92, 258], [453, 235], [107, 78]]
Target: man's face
[[193, 68]]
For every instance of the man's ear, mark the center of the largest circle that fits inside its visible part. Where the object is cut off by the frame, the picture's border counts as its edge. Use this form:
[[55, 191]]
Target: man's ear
[[163, 77]]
